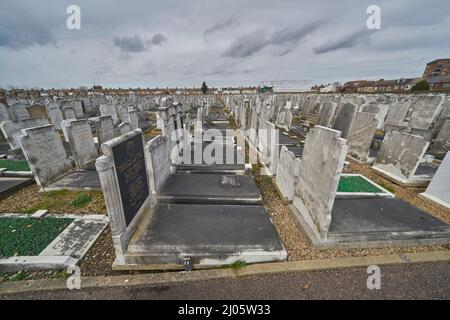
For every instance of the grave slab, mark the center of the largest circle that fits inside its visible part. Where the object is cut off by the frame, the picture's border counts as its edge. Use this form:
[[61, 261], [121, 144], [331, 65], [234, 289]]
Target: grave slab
[[10, 185], [361, 223], [209, 188], [208, 234], [77, 180]]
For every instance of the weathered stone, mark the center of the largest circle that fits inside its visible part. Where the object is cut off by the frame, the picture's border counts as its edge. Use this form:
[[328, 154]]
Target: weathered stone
[[400, 154], [13, 129], [134, 119], [123, 176], [287, 172], [361, 134], [326, 114], [45, 154], [105, 129], [441, 144], [321, 166], [344, 119], [55, 114], [158, 162], [81, 142], [380, 111], [425, 111]]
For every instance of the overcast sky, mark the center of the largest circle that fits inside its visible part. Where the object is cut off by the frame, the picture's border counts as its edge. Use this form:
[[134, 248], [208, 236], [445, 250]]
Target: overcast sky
[[182, 43]]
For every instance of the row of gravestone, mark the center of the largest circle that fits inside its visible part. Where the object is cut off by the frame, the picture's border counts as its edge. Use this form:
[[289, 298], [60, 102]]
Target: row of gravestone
[[427, 115], [311, 182]]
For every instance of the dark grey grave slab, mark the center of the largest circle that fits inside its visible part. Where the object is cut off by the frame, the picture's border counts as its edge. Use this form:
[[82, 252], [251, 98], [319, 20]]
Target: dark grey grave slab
[[77, 180], [67, 148], [287, 141], [207, 231], [218, 126], [373, 153], [4, 148], [299, 130], [216, 167], [10, 185], [383, 220], [427, 169], [209, 188], [297, 150]]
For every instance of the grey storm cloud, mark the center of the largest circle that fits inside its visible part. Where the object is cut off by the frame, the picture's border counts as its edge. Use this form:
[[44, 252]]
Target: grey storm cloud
[[247, 45], [136, 43], [158, 39], [130, 44], [19, 29], [294, 34], [348, 41], [288, 37], [220, 26]]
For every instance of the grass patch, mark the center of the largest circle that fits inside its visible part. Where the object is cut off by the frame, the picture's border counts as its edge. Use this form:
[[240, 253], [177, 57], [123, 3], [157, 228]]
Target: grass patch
[[151, 133], [387, 187], [14, 165], [28, 236], [81, 200], [60, 200], [235, 265], [356, 184]]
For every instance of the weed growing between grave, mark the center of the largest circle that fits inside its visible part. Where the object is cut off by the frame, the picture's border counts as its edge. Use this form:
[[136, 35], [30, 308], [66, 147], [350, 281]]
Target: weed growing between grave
[[388, 188], [81, 200], [151, 133], [28, 236], [29, 200], [14, 165], [235, 265]]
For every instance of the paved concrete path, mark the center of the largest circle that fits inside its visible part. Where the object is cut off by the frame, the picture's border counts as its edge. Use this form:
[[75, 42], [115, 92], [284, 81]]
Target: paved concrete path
[[405, 281]]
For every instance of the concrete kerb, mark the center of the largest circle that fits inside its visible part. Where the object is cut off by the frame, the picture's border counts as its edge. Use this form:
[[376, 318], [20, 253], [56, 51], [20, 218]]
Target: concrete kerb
[[202, 275]]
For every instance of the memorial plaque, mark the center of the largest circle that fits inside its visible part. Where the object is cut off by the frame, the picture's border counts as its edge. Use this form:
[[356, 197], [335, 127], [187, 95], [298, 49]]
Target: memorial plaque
[[131, 173]]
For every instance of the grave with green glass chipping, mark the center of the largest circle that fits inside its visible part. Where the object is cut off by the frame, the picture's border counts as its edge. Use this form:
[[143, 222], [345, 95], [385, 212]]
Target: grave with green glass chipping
[[356, 184], [14, 165], [29, 236], [352, 186]]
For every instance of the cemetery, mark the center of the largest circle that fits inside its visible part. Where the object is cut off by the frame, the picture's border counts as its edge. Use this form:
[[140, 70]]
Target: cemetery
[[182, 182]]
